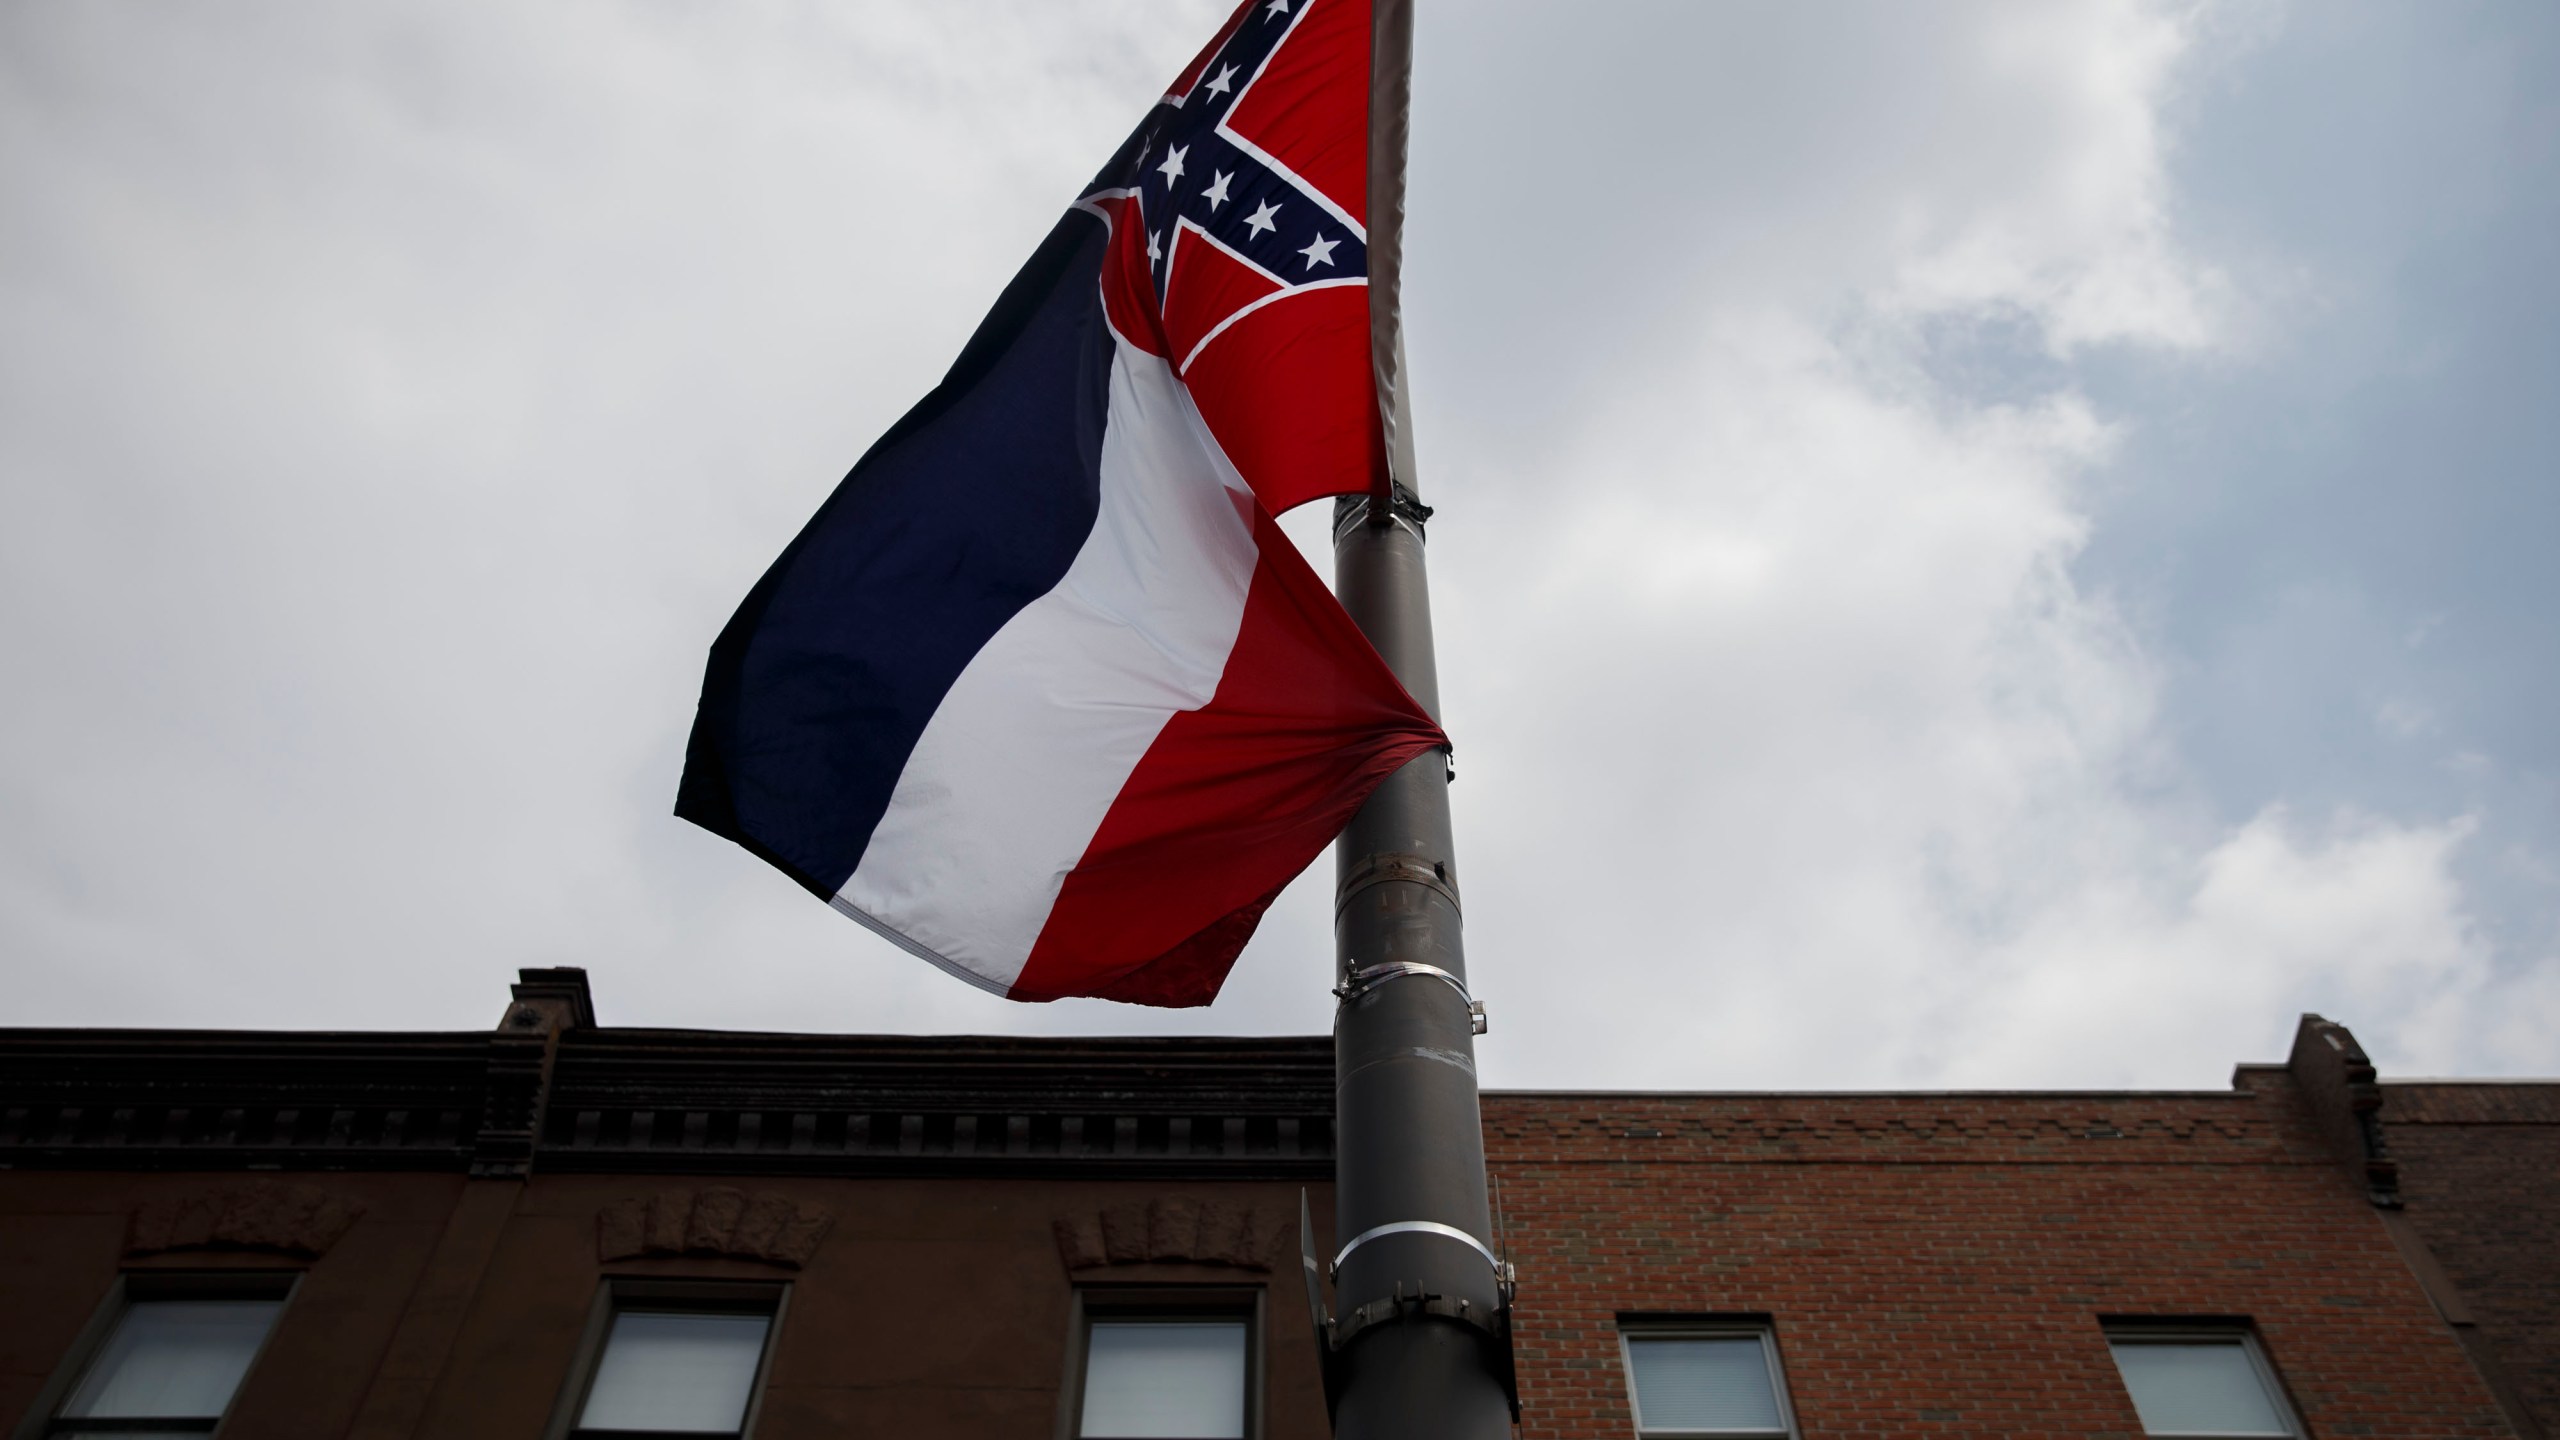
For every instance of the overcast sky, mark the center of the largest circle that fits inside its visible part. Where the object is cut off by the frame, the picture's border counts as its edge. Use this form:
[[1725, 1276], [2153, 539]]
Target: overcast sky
[[1996, 545]]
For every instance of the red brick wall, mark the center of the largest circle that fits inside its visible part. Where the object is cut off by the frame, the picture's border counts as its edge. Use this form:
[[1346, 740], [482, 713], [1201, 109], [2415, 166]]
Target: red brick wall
[[2480, 1174], [1938, 1265]]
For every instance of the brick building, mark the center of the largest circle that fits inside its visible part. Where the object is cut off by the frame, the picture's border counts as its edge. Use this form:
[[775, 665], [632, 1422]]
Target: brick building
[[559, 1229], [1956, 1263]]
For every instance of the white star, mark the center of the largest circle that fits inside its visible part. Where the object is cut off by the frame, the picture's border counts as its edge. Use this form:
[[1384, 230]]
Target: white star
[[1219, 83], [1260, 220], [1278, 7], [1172, 166], [1217, 191], [1152, 252], [1321, 252]]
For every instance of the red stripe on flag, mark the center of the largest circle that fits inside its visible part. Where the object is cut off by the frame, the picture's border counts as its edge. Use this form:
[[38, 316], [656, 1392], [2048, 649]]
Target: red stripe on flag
[[1288, 392], [1232, 800]]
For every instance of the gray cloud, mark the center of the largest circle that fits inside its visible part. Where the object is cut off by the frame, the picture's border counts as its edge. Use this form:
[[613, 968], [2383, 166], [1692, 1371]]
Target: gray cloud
[[1875, 637]]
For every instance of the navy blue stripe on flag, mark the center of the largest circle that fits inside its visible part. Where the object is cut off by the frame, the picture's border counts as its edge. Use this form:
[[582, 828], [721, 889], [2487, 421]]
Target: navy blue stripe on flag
[[970, 508]]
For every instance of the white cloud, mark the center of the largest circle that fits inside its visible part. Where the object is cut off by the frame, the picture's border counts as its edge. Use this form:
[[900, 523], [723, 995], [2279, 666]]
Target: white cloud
[[2187, 972], [1803, 757], [397, 399], [2064, 218]]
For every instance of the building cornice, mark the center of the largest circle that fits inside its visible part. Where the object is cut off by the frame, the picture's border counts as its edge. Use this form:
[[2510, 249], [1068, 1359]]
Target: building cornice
[[668, 1101]]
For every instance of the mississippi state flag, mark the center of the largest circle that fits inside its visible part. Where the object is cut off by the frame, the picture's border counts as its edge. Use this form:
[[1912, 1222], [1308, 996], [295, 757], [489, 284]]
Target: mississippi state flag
[[1042, 693]]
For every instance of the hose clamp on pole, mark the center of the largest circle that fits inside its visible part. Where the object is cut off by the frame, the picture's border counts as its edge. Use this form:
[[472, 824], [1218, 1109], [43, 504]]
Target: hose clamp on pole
[[1361, 982], [1417, 1227]]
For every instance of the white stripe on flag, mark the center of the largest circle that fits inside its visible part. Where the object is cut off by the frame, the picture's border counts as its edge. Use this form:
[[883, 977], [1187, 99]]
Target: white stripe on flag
[[1026, 754]]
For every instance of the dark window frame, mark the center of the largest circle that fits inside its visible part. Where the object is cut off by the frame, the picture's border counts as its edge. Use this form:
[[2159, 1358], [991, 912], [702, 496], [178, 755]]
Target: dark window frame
[[646, 1294], [1141, 1302], [2204, 1329], [1714, 1326], [131, 1287]]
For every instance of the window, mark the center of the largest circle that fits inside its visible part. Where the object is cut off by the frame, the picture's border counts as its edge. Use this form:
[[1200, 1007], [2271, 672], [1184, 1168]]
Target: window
[[172, 1354], [1707, 1378], [673, 1358], [1166, 1366], [2206, 1381]]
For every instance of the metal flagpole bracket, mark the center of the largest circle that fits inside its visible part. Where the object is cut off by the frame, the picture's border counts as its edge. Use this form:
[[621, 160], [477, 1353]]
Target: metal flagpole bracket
[[1394, 505], [1492, 1329], [1398, 504], [1364, 981], [1328, 1357]]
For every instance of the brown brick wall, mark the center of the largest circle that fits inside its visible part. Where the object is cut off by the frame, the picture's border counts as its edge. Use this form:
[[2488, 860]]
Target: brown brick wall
[[63, 1240], [2480, 1175], [1939, 1265], [932, 1308]]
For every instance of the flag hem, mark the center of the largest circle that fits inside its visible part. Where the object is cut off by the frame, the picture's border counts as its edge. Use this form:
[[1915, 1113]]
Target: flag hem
[[917, 948]]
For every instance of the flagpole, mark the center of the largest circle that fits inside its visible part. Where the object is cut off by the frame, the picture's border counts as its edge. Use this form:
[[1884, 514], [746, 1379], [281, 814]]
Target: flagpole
[[1418, 1345]]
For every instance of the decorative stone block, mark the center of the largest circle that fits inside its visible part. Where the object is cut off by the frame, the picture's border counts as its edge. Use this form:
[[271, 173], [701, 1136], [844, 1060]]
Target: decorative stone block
[[1170, 1230], [718, 1220], [271, 1215]]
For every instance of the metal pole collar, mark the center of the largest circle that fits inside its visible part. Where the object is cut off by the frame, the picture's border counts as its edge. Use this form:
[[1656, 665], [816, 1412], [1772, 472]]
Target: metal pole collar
[[1412, 869], [1417, 1227], [1364, 981]]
